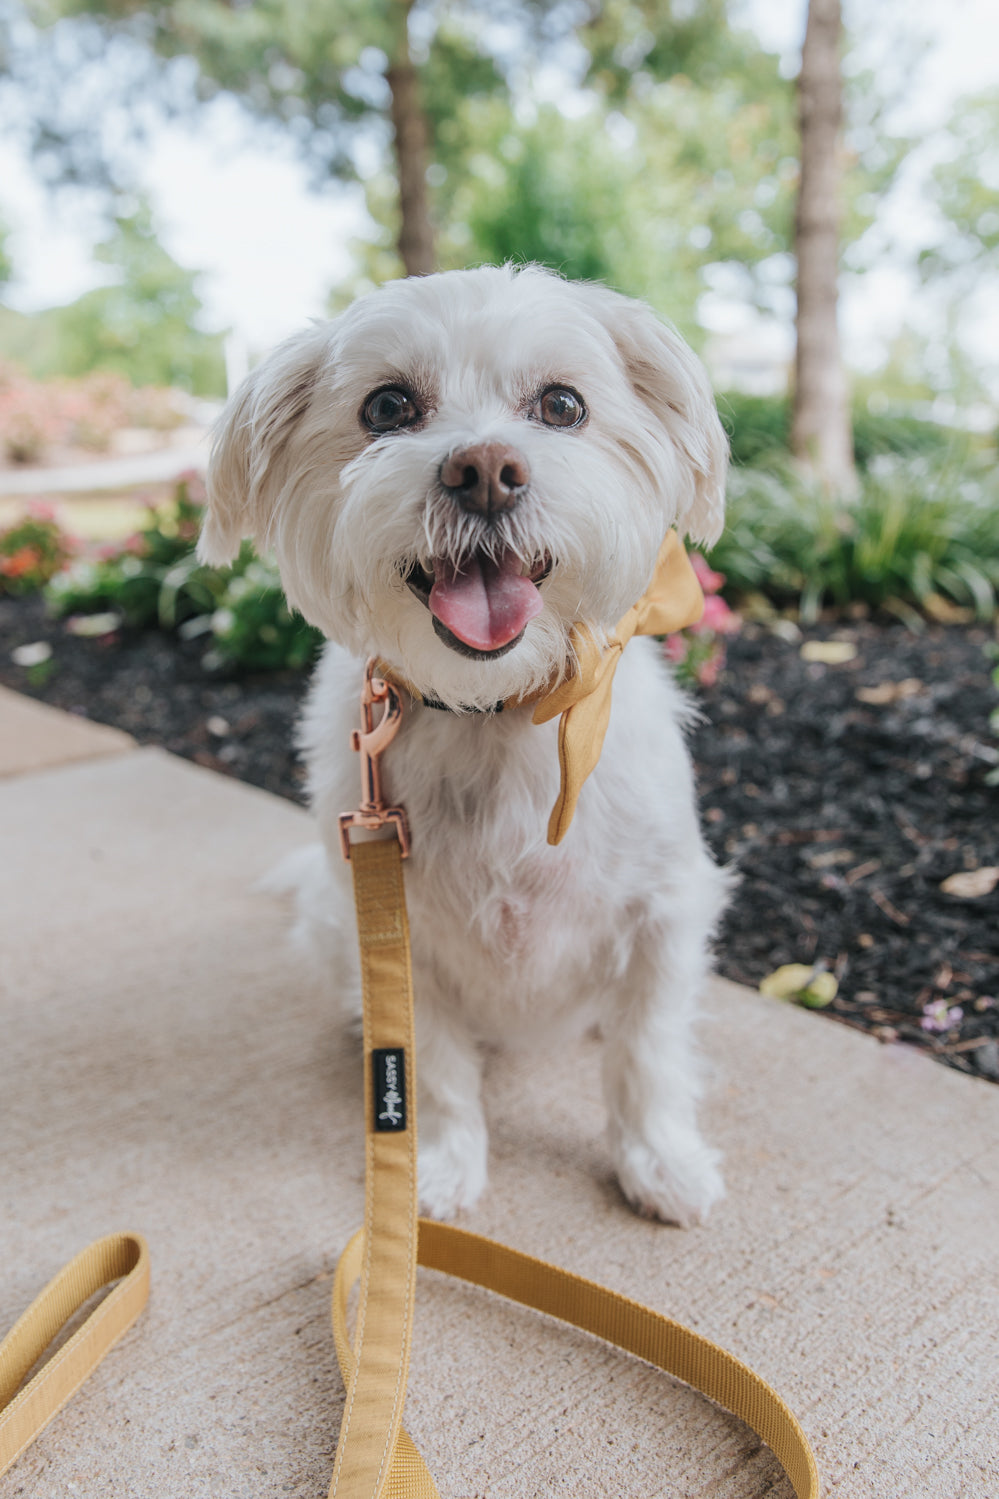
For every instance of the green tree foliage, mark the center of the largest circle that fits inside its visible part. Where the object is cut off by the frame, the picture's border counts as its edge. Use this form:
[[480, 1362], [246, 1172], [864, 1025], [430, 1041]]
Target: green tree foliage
[[966, 190], [300, 64], [555, 191], [632, 44], [324, 73], [676, 156], [143, 325], [675, 164], [648, 178], [640, 203], [6, 266], [737, 130]]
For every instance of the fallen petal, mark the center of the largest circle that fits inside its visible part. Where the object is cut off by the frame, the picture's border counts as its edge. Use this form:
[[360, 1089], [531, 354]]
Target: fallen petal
[[828, 652], [969, 884]]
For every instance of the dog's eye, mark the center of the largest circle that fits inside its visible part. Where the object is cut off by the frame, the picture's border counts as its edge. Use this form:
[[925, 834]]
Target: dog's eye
[[387, 410], [560, 407]]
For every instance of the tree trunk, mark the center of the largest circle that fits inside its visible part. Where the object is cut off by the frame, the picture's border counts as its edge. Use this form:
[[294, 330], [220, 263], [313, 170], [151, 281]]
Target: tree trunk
[[416, 235], [821, 436]]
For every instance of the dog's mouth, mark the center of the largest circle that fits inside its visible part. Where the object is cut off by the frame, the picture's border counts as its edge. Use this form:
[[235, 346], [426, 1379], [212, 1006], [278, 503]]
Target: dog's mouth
[[482, 606]]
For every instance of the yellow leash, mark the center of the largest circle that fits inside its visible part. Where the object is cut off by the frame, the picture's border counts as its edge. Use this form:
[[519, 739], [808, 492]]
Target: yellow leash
[[375, 1458]]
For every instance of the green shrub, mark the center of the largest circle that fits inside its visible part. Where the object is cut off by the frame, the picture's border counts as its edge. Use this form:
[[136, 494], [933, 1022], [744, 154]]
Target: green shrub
[[877, 433], [758, 427], [759, 430], [153, 578], [253, 627], [155, 581], [918, 530]]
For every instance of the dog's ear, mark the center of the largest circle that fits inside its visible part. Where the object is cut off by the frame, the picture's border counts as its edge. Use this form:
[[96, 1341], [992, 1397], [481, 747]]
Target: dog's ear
[[247, 462], [672, 382]]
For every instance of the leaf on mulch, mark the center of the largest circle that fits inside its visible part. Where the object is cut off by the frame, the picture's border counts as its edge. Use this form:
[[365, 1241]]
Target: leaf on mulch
[[890, 692], [91, 626], [969, 884], [944, 612], [35, 654], [828, 652], [812, 987]]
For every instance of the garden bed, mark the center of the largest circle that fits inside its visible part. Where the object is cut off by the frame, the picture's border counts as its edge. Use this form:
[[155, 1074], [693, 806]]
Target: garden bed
[[845, 794]]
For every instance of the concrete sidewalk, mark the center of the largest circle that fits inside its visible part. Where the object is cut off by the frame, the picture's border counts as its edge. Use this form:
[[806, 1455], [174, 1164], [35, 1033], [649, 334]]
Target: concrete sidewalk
[[164, 1066]]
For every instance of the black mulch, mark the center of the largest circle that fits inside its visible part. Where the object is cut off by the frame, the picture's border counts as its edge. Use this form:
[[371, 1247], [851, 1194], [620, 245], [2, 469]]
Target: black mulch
[[844, 816]]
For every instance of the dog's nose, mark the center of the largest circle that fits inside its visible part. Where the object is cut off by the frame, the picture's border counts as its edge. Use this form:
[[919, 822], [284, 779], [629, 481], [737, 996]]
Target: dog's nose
[[486, 478]]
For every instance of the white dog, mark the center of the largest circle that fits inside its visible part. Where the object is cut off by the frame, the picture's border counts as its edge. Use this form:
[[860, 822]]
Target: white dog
[[453, 474]]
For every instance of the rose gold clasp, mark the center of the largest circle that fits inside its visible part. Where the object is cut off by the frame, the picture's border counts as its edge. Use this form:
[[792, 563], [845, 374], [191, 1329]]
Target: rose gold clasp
[[371, 740]]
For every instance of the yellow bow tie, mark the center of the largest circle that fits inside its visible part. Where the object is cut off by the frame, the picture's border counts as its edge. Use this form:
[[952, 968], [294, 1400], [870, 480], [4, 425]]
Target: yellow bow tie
[[672, 601]]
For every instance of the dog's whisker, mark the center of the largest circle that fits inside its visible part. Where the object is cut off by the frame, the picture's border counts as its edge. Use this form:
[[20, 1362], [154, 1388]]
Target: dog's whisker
[[450, 538]]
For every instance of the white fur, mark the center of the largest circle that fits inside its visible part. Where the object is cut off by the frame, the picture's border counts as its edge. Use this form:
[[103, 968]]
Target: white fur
[[514, 942]]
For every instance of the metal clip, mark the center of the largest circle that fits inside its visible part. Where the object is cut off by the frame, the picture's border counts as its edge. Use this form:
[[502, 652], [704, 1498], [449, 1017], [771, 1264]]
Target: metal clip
[[370, 741]]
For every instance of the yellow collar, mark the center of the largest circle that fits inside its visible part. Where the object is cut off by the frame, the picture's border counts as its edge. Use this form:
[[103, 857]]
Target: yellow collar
[[672, 601]]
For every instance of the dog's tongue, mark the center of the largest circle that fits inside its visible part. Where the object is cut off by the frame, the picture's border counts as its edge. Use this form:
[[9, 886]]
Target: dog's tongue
[[487, 604]]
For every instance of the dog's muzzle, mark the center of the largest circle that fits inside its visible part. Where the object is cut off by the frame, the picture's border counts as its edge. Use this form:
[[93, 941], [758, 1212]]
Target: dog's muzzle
[[482, 602]]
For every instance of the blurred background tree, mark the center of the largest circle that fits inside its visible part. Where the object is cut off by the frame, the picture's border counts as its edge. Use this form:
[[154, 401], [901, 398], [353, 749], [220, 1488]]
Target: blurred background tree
[[650, 144], [345, 80], [702, 94], [821, 435], [143, 324]]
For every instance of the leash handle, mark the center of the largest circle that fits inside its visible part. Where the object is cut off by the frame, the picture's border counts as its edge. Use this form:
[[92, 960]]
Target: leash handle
[[24, 1412]]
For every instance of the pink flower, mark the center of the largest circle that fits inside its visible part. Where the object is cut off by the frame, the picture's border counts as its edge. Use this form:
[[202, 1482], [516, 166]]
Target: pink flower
[[709, 580], [939, 1016], [698, 652], [719, 617], [709, 669], [42, 510]]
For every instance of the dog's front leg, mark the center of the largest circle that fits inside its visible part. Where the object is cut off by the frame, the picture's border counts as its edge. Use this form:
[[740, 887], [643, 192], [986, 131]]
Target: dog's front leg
[[652, 1080], [452, 1127]]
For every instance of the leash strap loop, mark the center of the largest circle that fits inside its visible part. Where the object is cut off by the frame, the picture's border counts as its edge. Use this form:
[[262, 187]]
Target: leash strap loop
[[24, 1412]]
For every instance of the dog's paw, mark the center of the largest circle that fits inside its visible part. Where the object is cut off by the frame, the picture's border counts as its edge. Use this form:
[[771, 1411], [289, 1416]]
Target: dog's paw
[[452, 1172], [676, 1179]]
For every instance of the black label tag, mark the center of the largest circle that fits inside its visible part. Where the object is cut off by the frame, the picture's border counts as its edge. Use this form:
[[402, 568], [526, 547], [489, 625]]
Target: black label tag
[[390, 1088]]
